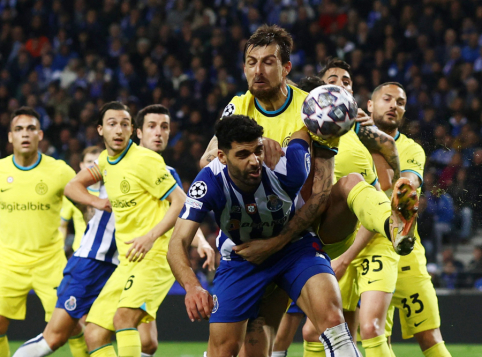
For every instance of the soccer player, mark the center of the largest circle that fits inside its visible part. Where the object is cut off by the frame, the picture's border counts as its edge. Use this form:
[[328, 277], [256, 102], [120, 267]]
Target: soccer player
[[251, 201], [145, 200], [31, 245], [414, 294]]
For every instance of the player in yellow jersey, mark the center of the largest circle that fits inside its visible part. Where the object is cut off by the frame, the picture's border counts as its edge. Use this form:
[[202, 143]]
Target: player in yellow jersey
[[414, 295], [31, 245], [145, 200]]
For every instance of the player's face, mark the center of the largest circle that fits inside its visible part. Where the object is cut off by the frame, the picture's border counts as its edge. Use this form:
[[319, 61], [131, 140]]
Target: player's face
[[89, 160], [245, 161], [116, 130], [25, 134], [155, 132], [388, 107], [338, 77], [264, 71]]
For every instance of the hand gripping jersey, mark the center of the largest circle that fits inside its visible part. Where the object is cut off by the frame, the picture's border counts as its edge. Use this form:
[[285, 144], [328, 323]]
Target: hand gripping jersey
[[245, 216]]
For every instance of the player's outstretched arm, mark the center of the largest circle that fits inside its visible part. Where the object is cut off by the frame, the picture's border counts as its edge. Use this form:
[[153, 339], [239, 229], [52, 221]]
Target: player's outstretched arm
[[210, 154], [140, 246], [197, 299], [377, 141], [204, 250], [77, 191]]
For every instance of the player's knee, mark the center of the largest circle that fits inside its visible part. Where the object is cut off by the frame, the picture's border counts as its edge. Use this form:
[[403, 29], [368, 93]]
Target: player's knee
[[96, 336], [334, 317], [309, 333], [429, 338], [124, 318], [55, 341], [348, 182], [149, 346], [371, 329]]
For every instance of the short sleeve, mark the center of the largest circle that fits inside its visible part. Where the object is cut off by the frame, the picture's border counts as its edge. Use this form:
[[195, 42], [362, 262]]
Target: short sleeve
[[293, 169], [201, 197], [67, 174], [414, 160], [67, 211], [156, 178]]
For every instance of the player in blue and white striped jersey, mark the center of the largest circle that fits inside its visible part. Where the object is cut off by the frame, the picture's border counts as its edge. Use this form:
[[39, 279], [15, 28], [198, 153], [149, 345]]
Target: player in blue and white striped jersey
[[251, 201]]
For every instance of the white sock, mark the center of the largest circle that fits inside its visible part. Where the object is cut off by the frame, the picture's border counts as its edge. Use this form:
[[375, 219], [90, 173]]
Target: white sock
[[36, 347], [338, 342], [205, 354], [279, 353], [145, 355]]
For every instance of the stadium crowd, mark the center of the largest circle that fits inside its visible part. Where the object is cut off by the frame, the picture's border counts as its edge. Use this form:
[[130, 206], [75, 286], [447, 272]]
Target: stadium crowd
[[66, 59]]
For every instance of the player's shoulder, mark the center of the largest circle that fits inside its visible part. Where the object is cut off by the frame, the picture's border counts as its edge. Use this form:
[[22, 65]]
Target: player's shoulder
[[237, 104], [408, 144], [6, 162], [298, 93], [144, 155], [49, 163], [208, 182]]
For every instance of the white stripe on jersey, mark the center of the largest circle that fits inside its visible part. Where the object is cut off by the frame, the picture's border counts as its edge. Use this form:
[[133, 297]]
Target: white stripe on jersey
[[98, 241]]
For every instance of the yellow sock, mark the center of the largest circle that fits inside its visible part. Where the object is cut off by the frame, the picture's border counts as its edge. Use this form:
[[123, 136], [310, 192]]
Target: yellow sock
[[313, 349], [372, 207], [437, 350], [376, 347], [104, 351], [78, 347], [4, 346], [128, 342]]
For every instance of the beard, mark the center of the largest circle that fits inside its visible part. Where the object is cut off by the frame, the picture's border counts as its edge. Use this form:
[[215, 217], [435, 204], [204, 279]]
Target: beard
[[384, 125], [267, 94]]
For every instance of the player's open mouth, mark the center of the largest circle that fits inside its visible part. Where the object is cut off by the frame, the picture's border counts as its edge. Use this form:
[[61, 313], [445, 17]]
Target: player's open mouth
[[25, 143], [255, 173], [391, 115], [118, 141]]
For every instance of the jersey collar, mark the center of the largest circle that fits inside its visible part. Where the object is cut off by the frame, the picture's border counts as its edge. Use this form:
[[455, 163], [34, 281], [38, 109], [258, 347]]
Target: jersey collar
[[397, 136], [28, 168], [116, 160], [276, 112]]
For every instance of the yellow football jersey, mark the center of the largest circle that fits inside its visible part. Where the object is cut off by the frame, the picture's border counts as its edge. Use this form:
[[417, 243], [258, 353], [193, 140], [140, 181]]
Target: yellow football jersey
[[30, 203], [279, 124], [137, 183], [412, 159], [70, 212]]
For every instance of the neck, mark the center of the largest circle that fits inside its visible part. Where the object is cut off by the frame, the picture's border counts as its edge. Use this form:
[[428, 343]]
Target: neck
[[241, 185], [392, 133], [26, 159], [277, 102]]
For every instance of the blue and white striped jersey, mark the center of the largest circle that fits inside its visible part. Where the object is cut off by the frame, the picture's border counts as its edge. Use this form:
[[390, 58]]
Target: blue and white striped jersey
[[245, 216], [98, 241]]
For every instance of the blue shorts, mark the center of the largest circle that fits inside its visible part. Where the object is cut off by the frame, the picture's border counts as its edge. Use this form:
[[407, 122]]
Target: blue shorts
[[240, 285], [294, 309], [83, 280]]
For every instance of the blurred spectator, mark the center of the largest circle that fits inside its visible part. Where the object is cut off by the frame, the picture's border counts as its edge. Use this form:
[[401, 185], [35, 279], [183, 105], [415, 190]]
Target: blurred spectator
[[475, 265]]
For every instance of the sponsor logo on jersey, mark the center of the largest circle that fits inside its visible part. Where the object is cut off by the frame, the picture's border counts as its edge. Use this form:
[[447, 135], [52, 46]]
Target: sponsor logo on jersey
[[235, 209], [5, 189], [274, 203], [260, 225], [193, 203], [162, 178], [415, 162], [123, 203], [125, 187], [419, 323], [9, 179], [251, 208], [198, 189], [29, 206], [215, 304], [41, 188], [70, 304]]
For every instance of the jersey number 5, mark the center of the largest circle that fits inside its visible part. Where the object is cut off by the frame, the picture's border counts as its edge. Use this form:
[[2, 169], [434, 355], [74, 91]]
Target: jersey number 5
[[366, 264]]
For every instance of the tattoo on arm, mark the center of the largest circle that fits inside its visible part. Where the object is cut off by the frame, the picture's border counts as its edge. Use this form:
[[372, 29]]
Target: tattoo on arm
[[377, 141]]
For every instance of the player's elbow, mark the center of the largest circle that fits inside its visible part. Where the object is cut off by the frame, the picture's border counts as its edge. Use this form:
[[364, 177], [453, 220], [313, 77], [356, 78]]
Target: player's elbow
[[69, 188]]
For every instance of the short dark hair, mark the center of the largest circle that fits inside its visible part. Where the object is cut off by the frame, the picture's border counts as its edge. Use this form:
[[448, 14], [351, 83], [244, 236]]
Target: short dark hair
[[267, 34], [334, 62], [90, 150], [111, 105], [150, 109], [387, 84], [309, 83], [239, 128], [25, 111]]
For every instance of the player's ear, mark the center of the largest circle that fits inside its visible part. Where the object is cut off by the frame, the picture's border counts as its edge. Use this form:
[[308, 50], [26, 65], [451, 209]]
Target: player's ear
[[287, 68], [40, 135], [139, 133], [10, 137], [222, 157], [370, 106], [100, 130]]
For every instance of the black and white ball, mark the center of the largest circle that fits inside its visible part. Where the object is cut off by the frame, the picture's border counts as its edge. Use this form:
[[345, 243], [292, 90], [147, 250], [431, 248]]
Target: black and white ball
[[329, 111], [198, 189]]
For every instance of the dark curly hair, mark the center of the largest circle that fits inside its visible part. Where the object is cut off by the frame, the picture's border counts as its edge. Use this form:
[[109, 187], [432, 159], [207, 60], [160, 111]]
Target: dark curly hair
[[333, 62], [267, 34], [239, 128], [309, 83]]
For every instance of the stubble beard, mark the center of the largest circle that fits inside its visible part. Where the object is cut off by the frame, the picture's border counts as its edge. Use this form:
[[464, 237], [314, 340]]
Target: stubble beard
[[382, 124], [272, 93]]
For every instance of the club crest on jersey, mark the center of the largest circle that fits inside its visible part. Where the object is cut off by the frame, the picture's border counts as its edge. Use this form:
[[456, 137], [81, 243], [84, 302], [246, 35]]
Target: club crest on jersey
[[9, 179], [125, 187], [229, 110], [41, 188], [251, 208], [70, 304], [286, 141], [235, 209], [215, 304], [198, 189], [274, 203]]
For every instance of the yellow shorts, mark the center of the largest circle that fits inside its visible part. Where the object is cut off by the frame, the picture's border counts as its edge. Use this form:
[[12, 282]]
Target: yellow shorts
[[416, 300], [374, 269], [141, 285], [16, 282], [334, 250]]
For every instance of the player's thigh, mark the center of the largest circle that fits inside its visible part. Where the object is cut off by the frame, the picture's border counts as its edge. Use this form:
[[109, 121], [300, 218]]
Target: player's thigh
[[349, 288], [46, 280], [15, 283], [147, 285], [417, 302], [226, 339]]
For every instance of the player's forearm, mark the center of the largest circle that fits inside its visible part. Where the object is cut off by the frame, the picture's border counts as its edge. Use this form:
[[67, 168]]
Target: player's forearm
[[363, 237], [377, 141], [77, 192], [210, 154], [168, 221], [199, 239]]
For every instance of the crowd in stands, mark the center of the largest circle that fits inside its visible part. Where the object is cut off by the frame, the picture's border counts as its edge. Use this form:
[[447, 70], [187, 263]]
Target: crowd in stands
[[67, 58]]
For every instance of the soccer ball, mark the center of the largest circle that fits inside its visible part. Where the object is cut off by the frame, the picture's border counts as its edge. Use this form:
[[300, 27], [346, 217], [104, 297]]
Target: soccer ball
[[329, 111]]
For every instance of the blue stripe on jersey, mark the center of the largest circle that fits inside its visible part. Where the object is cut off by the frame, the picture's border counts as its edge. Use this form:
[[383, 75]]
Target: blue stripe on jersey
[[397, 136], [174, 174], [28, 168], [109, 255], [168, 192], [416, 173], [116, 161], [276, 214], [374, 181], [99, 234], [277, 111]]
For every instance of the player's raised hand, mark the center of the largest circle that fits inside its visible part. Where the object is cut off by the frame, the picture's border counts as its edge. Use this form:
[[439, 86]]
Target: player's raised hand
[[364, 119], [206, 251], [339, 267], [272, 152], [140, 247], [199, 303], [255, 251], [103, 204]]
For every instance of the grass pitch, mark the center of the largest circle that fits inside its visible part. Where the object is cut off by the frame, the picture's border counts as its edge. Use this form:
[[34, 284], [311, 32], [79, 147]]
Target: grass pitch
[[196, 349]]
